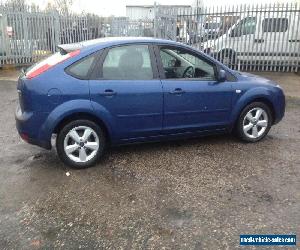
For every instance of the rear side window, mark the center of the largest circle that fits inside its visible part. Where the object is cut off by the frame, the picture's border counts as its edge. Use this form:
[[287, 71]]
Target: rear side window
[[81, 68], [130, 62], [275, 24]]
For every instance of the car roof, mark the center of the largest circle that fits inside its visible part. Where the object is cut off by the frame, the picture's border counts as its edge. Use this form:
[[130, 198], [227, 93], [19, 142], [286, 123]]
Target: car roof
[[111, 41]]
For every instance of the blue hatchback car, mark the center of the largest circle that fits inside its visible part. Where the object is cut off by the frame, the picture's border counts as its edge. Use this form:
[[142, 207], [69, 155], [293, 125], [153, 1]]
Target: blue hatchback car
[[113, 91]]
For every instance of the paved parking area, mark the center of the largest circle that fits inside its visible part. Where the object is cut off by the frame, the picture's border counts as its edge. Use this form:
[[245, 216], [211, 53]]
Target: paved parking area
[[193, 194]]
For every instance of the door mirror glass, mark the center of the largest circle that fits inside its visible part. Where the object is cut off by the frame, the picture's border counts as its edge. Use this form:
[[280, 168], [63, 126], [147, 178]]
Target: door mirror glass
[[221, 75], [232, 33]]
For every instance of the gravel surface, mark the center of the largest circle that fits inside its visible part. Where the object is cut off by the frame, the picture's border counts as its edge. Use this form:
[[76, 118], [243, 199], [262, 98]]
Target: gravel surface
[[191, 194]]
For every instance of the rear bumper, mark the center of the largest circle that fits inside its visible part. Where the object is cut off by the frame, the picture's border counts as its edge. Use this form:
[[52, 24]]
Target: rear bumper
[[28, 124]]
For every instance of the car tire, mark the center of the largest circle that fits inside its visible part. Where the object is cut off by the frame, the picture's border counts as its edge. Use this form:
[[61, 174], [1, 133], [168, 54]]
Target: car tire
[[80, 143], [254, 122]]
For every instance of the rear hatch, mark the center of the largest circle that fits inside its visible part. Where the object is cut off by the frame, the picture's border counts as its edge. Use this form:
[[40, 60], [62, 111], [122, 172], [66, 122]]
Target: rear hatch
[[65, 52]]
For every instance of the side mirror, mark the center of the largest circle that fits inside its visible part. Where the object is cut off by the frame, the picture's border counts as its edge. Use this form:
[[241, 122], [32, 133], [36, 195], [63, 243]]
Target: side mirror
[[221, 75]]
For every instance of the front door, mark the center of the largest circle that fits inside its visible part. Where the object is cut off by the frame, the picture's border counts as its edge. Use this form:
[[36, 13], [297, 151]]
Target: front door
[[241, 39], [129, 92], [193, 99]]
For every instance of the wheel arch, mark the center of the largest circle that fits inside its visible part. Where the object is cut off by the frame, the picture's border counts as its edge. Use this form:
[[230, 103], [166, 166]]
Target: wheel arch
[[263, 100], [244, 103], [82, 116], [267, 102]]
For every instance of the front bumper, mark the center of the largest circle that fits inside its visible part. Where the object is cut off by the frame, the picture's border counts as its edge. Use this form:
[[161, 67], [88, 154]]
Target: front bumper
[[28, 126]]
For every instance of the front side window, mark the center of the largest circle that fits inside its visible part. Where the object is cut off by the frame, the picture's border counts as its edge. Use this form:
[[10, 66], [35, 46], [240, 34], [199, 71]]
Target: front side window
[[130, 62], [178, 63], [275, 24], [245, 27]]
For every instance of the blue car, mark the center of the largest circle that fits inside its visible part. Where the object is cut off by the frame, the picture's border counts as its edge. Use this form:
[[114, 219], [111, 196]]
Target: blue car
[[113, 91]]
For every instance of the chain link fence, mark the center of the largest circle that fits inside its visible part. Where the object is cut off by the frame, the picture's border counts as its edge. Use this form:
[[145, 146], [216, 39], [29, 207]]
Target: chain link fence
[[245, 37]]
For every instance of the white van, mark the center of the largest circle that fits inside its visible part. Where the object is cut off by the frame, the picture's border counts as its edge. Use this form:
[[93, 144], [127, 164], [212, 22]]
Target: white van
[[264, 35], [211, 28], [2, 36]]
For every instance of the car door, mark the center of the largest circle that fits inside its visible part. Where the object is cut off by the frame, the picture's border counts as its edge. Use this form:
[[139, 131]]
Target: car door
[[293, 45], [193, 99], [272, 37], [125, 86], [242, 38]]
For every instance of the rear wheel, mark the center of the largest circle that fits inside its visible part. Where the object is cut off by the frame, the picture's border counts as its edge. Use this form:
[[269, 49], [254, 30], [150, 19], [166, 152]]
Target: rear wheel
[[254, 122], [80, 143]]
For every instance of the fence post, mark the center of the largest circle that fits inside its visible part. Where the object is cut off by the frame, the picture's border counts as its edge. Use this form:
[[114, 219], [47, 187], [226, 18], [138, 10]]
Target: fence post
[[57, 29], [26, 46], [155, 19]]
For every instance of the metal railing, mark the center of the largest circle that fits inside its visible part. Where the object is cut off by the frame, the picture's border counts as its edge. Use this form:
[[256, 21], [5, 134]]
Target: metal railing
[[245, 37]]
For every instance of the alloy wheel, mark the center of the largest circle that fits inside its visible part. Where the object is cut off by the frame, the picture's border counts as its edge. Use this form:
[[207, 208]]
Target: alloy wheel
[[255, 123], [81, 144]]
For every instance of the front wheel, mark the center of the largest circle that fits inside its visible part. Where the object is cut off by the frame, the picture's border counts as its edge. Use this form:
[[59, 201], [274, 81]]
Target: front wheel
[[254, 122], [80, 143]]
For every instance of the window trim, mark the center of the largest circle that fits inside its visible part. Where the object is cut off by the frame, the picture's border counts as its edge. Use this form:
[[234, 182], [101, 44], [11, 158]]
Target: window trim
[[161, 68], [99, 75]]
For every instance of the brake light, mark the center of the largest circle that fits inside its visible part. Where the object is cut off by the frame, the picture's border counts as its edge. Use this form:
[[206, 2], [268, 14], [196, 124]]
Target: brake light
[[49, 63]]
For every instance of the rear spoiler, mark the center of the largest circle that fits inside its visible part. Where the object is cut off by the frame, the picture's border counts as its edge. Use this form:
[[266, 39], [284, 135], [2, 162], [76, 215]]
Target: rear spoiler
[[67, 48]]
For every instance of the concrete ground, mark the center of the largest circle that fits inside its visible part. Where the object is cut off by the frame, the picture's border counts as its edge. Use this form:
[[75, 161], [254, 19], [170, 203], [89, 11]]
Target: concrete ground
[[191, 194]]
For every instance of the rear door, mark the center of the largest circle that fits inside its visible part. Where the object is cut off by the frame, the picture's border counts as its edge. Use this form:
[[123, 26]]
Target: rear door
[[126, 86], [271, 38]]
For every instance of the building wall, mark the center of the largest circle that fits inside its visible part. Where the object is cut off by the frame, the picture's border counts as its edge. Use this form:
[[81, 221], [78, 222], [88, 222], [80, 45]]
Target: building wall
[[135, 13], [147, 11]]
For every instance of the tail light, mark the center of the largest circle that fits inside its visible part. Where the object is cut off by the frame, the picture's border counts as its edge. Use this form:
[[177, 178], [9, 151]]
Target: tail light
[[48, 63], [25, 137]]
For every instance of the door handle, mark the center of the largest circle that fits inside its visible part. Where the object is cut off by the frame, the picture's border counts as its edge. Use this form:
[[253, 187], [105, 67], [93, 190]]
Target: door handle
[[177, 91], [259, 40], [108, 92]]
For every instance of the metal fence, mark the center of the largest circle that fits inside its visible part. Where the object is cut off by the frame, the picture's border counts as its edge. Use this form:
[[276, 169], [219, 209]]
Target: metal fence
[[28, 36], [254, 38], [245, 37]]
